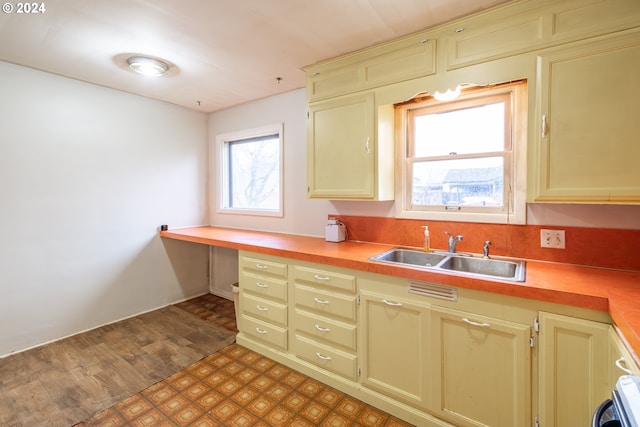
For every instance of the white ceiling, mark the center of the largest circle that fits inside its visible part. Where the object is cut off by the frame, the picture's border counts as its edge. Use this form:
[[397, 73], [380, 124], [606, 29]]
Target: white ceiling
[[223, 52]]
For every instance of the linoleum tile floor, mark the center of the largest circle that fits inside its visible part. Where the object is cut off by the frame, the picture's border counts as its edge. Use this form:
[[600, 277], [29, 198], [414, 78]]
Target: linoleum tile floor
[[238, 387]]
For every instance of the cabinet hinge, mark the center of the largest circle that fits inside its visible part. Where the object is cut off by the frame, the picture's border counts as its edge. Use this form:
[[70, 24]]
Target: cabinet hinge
[[536, 422], [358, 300], [532, 341], [536, 324], [359, 372]]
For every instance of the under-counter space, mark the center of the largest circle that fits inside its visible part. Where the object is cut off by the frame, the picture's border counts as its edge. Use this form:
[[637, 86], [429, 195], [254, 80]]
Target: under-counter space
[[612, 291]]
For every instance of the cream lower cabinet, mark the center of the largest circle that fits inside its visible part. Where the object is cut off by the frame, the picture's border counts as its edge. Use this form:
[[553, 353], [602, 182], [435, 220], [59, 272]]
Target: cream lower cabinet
[[574, 369], [325, 320], [396, 346], [432, 356], [621, 361], [263, 300], [480, 369]]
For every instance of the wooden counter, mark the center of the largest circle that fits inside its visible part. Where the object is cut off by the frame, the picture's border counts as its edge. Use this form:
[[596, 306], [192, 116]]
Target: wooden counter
[[614, 291]]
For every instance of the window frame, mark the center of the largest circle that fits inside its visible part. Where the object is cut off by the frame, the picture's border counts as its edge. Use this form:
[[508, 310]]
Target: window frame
[[513, 210], [223, 141]]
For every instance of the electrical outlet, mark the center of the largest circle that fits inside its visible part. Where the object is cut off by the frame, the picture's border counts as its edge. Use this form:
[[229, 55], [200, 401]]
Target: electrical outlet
[[552, 239]]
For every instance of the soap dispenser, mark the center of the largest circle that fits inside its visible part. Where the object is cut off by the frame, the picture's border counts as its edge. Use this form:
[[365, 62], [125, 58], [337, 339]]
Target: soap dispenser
[[426, 243]]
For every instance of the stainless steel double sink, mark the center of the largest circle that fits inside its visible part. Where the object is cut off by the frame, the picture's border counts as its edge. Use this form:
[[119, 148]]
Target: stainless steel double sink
[[455, 263]]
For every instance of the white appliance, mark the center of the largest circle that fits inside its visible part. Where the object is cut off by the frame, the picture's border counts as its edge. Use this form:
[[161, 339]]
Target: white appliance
[[623, 409], [335, 231]]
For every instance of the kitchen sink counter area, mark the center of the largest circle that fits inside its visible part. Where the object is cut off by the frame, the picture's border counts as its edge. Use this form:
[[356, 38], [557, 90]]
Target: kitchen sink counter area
[[614, 291]]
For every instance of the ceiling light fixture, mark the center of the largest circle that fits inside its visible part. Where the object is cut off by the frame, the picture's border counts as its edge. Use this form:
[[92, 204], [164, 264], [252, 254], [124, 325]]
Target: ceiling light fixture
[[148, 66], [449, 95]]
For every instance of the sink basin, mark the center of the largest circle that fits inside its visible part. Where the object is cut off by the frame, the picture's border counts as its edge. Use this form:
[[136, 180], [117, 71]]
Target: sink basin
[[511, 270], [409, 257], [445, 262]]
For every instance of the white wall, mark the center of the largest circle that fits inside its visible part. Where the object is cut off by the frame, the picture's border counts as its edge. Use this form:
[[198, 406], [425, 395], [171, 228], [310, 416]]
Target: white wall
[[87, 174]]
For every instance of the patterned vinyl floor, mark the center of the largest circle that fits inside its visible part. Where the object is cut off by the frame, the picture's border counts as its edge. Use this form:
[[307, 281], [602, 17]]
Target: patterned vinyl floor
[[238, 387]]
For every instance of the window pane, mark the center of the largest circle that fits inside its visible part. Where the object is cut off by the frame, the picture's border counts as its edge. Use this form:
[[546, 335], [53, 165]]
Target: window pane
[[470, 130], [459, 182], [254, 173]]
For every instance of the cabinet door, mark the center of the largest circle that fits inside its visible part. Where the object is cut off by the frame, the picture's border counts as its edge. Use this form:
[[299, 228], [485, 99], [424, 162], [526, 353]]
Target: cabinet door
[[589, 102], [573, 369], [341, 148], [396, 347], [481, 369], [621, 361]]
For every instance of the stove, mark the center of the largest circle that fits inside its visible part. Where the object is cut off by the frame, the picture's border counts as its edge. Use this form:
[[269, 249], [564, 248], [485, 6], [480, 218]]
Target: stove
[[623, 409]]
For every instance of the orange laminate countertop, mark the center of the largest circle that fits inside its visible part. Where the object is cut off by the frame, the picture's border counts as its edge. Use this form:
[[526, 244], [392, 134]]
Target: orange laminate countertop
[[614, 291]]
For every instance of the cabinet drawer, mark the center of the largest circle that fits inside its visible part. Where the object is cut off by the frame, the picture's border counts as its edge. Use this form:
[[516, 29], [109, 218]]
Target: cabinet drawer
[[271, 334], [328, 303], [322, 328], [325, 278], [264, 309], [263, 286], [325, 357], [263, 266]]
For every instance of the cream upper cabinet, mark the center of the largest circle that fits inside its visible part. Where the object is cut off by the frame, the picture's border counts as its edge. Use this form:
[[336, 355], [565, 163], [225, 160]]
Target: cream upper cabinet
[[588, 127], [480, 369], [574, 379], [396, 346], [393, 62], [346, 158]]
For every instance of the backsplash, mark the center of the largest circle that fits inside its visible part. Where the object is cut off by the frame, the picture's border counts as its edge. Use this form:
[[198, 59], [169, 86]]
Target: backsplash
[[609, 248]]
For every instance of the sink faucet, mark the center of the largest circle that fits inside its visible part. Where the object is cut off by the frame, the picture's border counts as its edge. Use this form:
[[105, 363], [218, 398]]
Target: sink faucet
[[453, 241], [485, 249]]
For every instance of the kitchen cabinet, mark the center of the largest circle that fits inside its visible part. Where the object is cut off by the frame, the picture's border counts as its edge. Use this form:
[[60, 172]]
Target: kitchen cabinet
[[480, 369], [430, 354], [574, 373], [621, 361], [588, 98], [396, 349], [263, 300], [325, 319], [521, 28], [346, 157], [403, 59]]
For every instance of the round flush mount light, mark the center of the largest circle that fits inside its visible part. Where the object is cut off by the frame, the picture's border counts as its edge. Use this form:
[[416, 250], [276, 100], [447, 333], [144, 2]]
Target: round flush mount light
[[148, 66]]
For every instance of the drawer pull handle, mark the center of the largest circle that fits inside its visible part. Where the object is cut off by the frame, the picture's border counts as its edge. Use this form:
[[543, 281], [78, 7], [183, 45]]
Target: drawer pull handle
[[619, 363], [392, 303], [261, 331], [325, 278], [321, 329], [261, 308], [327, 358], [472, 323], [321, 301], [261, 285], [262, 266]]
